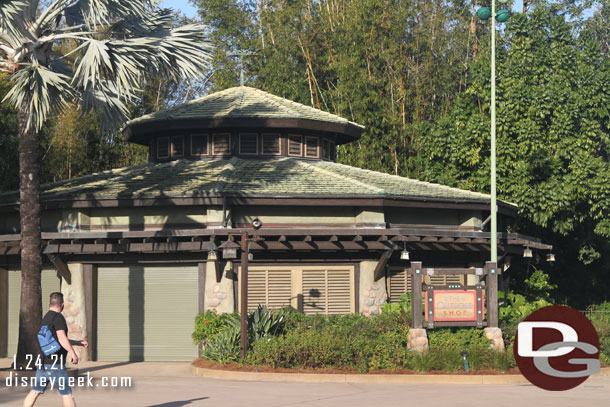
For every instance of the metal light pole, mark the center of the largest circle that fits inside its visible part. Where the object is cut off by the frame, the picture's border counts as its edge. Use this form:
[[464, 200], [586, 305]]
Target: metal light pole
[[502, 15], [494, 207]]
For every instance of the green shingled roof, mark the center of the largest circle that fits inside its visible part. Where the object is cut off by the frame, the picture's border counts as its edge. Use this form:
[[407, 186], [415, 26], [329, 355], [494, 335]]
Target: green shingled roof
[[274, 177], [242, 102]]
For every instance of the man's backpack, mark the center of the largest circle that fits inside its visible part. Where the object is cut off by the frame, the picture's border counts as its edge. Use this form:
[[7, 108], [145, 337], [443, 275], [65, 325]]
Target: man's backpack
[[48, 344]]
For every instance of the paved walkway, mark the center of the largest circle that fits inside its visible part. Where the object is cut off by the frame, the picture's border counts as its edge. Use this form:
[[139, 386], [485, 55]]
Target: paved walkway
[[172, 385]]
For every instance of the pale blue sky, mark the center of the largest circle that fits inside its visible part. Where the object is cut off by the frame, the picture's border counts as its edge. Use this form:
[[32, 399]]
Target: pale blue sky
[[182, 5]]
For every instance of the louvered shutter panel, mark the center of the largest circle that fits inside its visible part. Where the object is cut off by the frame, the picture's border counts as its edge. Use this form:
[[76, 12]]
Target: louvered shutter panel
[[453, 279], [339, 299], [279, 288], [311, 149], [295, 145], [257, 288], [446, 279], [314, 291], [271, 287], [437, 280], [400, 283]]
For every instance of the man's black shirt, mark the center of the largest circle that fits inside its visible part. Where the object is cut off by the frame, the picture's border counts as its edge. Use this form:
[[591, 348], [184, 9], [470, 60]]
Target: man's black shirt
[[55, 321]]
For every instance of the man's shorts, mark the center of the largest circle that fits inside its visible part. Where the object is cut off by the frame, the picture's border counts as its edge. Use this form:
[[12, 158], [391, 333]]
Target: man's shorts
[[53, 376]]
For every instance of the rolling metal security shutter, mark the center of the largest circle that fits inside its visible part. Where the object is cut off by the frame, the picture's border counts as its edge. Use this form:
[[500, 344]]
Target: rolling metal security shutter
[[50, 283], [269, 286], [399, 283], [147, 313], [328, 291]]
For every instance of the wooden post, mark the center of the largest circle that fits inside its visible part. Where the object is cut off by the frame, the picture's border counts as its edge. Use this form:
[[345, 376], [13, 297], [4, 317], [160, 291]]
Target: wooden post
[[416, 287], [430, 314], [244, 294], [479, 308], [491, 285], [3, 312]]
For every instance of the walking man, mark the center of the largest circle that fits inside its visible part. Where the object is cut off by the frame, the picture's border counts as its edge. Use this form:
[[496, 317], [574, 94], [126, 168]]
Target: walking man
[[53, 369]]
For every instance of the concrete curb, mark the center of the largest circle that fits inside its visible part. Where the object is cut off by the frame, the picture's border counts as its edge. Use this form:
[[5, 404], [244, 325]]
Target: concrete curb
[[365, 378]]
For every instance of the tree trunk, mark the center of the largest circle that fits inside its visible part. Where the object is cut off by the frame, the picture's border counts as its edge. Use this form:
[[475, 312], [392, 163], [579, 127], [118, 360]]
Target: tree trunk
[[30, 310]]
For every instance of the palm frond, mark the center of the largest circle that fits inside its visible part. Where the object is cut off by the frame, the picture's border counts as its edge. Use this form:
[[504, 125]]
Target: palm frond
[[102, 12], [11, 19], [105, 98], [43, 90]]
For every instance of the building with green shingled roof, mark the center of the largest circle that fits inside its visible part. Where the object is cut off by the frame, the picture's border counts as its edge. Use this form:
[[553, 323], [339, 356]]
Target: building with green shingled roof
[[333, 239]]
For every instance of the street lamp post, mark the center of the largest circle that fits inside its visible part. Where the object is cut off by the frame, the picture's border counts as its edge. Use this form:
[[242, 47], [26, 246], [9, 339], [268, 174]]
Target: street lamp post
[[502, 15], [485, 13]]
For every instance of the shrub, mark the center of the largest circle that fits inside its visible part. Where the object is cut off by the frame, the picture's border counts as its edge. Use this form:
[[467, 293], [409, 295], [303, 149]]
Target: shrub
[[224, 347], [263, 323], [599, 315], [209, 324]]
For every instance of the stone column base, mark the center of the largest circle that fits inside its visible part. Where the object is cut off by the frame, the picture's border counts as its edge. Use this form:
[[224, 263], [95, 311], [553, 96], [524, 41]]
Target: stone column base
[[495, 336], [418, 340]]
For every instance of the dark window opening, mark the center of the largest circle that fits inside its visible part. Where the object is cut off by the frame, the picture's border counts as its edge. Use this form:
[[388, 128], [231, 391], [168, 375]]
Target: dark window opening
[[222, 143], [271, 144], [325, 150], [199, 145], [163, 147], [178, 146], [248, 143]]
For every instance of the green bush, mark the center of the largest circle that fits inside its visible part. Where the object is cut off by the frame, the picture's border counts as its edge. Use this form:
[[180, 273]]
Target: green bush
[[209, 324], [456, 338], [599, 315], [264, 322], [290, 339], [224, 346]]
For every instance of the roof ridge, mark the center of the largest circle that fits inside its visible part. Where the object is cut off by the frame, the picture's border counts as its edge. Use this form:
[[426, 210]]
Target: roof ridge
[[334, 174], [224, 177], [416, 181]]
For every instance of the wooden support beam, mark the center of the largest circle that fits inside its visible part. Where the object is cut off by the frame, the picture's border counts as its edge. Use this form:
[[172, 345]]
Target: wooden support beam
[[416, 293], [62, 267], [381, 264], [358, 238], [429, 239], [382, 238], [491, 285], [334, 238], [282, 238], [308, 238]]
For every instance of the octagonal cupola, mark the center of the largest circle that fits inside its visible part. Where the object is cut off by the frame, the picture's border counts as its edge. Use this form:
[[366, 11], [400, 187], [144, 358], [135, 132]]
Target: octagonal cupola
[[243, 122]]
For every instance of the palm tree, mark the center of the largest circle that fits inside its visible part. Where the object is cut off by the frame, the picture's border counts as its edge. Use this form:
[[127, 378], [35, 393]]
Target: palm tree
[[94, 52]]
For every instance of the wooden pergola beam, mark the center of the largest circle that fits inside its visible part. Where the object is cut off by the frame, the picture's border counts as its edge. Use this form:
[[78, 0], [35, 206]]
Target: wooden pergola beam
[[62, 267], [382, 263]]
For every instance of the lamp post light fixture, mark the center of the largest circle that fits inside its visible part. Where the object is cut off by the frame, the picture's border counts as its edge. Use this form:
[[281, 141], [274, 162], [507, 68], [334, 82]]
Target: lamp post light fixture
[[229, 249], [485, 13], [404, 255], [527, 253]]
